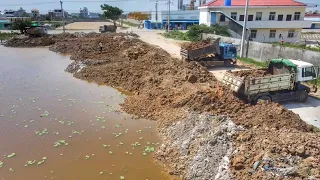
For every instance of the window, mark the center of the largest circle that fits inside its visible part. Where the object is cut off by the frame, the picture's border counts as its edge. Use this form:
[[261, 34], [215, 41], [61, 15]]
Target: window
[[253, 34], [297, 16], [309, 71], [291, 33], [280, 17], [258, 16], [250, 18], [241, 18], [222, 18], [289, 17], [234, 15], [272, 34], [272, 15]]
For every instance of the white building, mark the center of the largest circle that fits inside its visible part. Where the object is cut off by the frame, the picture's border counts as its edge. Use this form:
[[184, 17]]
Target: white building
[[268, 20], [9, 13], [35, 13]]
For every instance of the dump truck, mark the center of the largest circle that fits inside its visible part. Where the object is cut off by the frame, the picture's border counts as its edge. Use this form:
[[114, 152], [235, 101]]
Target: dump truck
[[35, 30], [107, 28], [286, 80], [215, 53]]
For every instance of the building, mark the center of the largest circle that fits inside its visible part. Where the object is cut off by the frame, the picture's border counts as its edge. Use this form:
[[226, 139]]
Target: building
[[35, 14], [94, 15], [314, 19], [9, 13], [269, 21], [4, 24], [178, 19], [57, 13], [180, 4]]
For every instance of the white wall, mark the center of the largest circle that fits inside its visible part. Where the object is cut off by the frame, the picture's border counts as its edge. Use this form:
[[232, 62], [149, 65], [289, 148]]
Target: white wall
[[204, 17], [263, 35]]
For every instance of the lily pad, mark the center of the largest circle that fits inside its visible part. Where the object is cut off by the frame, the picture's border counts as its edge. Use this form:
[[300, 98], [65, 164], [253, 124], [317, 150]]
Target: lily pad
[[1, 164], [11, 155], [45, 114], [122, 177]]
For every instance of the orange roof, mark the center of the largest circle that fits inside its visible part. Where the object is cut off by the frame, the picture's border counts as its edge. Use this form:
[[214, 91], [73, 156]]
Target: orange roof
[[256, 3]]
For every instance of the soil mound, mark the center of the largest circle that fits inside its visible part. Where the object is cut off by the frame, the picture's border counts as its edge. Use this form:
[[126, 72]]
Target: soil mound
[[251, 73], [196, 45], [30, 42]]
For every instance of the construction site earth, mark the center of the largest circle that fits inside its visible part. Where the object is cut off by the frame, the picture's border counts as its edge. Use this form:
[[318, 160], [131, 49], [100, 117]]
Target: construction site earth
[[206, 131]]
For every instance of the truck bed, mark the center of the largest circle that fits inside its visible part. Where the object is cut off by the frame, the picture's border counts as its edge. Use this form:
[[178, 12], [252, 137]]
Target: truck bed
[[195, 54], [251, 86]]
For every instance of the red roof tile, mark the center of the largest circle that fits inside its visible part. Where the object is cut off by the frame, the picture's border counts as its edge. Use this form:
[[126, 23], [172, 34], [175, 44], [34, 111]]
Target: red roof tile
[[257, 3]]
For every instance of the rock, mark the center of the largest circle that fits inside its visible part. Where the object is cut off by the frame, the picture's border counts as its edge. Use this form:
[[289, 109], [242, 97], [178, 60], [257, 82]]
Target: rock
[[300, 150], [238, 162], [192, 79]]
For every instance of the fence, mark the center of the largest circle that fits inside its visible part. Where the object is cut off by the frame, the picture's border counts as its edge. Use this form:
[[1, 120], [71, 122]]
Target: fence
[[264, 51]]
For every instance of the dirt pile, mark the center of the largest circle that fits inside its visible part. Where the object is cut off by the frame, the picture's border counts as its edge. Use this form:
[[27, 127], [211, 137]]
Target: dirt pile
[[185, 99], [30, 42], [251, 73], [196, 45]]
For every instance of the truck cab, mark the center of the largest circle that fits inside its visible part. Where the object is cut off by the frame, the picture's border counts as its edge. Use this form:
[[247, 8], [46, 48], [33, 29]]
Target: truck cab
[[306, 72], [228, 51]]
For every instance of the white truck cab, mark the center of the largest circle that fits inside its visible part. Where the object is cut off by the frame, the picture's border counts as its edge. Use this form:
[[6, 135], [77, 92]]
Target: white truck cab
[[305, 71]]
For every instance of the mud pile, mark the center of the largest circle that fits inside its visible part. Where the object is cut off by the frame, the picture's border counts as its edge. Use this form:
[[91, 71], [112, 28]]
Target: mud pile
[[30, 42], [192, 110], [251, 73], [196, 45]]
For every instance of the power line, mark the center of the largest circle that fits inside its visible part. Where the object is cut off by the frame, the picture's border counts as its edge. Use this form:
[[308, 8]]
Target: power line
[[30, 4]]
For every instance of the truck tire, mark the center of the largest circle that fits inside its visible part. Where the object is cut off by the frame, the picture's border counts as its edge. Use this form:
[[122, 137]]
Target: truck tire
[[302, 96], [262, 99]]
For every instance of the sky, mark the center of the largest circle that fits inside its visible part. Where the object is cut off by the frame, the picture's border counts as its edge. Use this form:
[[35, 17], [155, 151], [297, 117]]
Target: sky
[[94, 5]]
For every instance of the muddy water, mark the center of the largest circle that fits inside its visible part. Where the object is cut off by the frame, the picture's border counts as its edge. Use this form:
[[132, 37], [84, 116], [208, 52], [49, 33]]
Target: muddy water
[[100, 139]]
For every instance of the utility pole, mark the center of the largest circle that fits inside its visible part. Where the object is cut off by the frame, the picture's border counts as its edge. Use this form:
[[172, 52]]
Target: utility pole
[[244, 30], [64, 30], [169, 15], [156, 11]]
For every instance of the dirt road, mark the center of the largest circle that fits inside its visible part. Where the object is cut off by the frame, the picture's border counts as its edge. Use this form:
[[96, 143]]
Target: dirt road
[[85, 25]]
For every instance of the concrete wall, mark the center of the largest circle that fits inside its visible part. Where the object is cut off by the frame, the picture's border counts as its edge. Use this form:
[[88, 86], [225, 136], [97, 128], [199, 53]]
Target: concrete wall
[[265, 51]]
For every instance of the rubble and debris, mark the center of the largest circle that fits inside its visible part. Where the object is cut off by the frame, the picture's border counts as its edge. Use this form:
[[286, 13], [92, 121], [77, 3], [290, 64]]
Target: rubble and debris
[[196, 45], [194, 111]]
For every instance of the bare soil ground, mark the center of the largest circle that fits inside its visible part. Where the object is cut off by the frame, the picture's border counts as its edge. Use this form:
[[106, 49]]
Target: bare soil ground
[[85, 25], [194, 112]]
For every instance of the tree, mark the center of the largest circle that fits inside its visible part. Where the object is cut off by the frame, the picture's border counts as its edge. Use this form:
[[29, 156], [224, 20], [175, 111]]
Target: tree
[[111, 12], [138, 16], [21, 25]]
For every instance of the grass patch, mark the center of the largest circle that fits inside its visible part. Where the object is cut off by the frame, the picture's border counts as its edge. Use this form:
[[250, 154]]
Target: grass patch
[[130, 24], [253, 62], [6, 36], [177, 35], [195, 31], [298, 46]]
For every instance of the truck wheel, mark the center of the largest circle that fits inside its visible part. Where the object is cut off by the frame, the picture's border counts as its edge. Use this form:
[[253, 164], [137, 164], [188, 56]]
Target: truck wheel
[[302, 96], [263, 99]]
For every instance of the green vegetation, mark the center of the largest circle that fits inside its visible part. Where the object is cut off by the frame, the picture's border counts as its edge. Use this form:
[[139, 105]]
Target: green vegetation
[[111, 12], [195, 31], [6, 36], [253, 62], [298, 46], [21, 25], [130, 24]]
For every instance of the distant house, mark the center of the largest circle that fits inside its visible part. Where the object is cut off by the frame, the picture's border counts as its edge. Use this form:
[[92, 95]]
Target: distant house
[[268, 20], [178, 19], [35, 14], [315, 19], [9, 13], [4, 24], [94, 15]]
